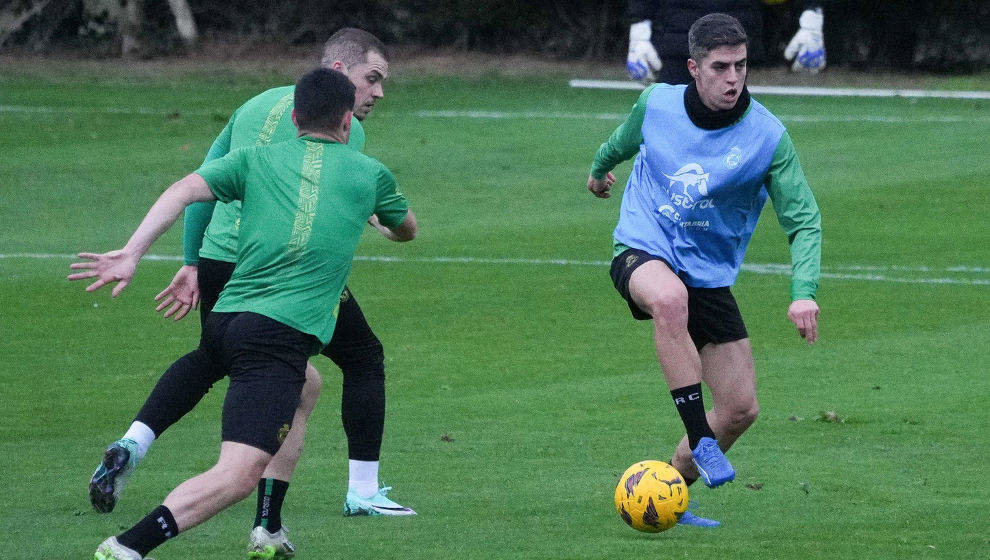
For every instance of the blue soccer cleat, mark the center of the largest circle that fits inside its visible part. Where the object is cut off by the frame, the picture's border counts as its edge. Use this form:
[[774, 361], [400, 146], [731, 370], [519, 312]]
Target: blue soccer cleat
[[711, 463], [690, 519], [111, 476], [375, 505]]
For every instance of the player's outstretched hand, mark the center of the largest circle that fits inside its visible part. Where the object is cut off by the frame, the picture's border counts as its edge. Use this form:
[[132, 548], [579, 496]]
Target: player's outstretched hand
[[115, 266], [804, 314], [182, 294], [601, 187]]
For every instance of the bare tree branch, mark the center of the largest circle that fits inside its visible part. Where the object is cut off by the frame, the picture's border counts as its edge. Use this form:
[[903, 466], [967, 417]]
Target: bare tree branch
[[184, 22], [131, 17], [11, 21]]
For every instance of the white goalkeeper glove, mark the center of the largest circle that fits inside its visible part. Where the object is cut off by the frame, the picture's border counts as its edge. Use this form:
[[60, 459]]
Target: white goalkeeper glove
[[807, 48], [642, 60]]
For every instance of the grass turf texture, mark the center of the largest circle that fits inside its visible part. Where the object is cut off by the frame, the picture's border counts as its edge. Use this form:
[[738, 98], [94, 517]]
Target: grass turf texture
[[517, 393]]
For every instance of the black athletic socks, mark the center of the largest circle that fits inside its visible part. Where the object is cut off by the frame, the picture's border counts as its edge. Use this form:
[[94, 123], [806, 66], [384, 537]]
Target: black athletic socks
[[156, 528], [271, 492], [692, 410]]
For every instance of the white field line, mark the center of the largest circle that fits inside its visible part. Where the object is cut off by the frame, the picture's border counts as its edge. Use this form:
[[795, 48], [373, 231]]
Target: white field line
[[489, 114], [881, 119], [806, 91], [501, 115], [871, 273], [59, 110]]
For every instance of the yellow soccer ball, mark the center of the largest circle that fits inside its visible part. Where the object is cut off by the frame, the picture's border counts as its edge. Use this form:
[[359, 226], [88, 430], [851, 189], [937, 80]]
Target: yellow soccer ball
[[651, 496]]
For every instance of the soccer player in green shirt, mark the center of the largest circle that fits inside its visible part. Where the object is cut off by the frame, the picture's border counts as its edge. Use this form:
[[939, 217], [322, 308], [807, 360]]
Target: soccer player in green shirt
[[210, 247], [305, 205]]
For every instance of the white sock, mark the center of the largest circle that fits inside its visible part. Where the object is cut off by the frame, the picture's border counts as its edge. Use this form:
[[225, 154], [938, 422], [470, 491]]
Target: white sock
[[363, 477], [143, 435]]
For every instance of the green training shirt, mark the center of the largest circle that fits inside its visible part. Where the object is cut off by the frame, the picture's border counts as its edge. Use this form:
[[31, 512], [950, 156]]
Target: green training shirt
[[305, 204], [211, 229]]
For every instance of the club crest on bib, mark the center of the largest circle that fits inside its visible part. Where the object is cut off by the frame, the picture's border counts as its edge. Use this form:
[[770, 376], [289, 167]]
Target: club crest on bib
[[733, 158]]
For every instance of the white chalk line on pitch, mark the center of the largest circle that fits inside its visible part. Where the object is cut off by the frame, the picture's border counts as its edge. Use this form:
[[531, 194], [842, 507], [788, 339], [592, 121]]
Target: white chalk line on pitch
[[881, 119], [870, 273], [502, 115], [805, 91]]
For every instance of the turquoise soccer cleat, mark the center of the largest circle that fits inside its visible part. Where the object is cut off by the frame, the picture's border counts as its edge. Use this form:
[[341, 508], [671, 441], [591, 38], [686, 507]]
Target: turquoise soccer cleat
[[378, 504], [111, 476], [711, 463]]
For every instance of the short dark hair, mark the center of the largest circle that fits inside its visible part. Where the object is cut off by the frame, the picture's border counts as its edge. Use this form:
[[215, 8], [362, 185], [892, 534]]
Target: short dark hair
[[322, 98], [351, 45], [713, 31]]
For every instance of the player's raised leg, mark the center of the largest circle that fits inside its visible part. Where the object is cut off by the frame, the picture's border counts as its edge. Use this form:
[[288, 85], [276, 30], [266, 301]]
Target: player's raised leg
[[176, 393], [182, 385], [659, 292]]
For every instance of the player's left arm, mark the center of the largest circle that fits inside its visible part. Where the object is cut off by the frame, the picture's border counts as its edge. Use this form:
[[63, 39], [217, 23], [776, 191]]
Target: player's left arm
[[119, 266], [623, 144], [392, 216], [798, 215], [198, 216]]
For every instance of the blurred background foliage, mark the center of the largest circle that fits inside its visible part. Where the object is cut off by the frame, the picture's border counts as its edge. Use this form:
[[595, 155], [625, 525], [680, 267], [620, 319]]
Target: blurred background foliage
[[932, 35]]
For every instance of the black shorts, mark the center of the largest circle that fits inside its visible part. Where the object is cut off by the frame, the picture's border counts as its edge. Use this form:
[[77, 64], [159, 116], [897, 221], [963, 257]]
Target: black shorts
[[713, 315], [266, 362], [353, 341], [212, 276]]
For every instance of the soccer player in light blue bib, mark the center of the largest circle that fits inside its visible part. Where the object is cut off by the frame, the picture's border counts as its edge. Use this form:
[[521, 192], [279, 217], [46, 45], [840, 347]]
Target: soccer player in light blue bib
[[707, 157]]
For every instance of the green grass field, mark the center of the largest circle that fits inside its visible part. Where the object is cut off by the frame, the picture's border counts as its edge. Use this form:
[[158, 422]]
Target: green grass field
[[518, 387]]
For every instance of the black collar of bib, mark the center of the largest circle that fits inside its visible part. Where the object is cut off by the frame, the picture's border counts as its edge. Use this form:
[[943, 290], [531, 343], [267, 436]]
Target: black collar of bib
[[705, 118]]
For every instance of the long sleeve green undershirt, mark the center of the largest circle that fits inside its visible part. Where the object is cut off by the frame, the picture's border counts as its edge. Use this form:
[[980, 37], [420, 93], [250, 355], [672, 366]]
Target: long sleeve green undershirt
[[624, 142], [798, 215], [198, 215]]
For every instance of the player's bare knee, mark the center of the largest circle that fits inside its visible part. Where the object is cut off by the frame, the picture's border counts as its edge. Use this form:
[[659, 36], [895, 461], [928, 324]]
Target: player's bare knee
[[240, 479], [743, 416], [669, 307]]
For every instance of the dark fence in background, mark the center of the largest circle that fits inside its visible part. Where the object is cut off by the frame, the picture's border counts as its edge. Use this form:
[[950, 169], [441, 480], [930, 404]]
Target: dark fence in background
[[936, 35]]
